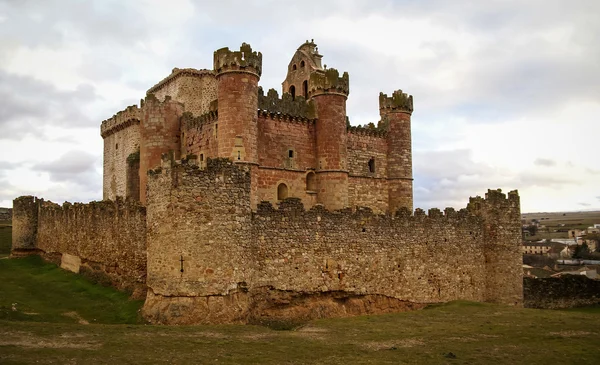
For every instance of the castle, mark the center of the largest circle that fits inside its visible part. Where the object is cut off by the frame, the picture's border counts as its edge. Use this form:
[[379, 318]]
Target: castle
[[297, 146], [191, 180]]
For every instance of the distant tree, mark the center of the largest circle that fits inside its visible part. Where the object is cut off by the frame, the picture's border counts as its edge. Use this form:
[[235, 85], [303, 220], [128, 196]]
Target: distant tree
[[532, 228], [581, 251]]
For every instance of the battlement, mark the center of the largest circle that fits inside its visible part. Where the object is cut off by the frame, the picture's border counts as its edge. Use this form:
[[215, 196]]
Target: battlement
[[244, 60], [368, 130], [293, 208], [188, 121], [123, 119], [286, 105], [177, 73], [399, 101], [328, 81], [497, 200]]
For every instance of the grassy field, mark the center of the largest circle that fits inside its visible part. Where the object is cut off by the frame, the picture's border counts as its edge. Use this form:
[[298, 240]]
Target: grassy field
[[453, 333]]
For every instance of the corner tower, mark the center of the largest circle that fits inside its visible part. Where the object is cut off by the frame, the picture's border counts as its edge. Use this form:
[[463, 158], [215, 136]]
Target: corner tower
[[329, 92], [396, 112]]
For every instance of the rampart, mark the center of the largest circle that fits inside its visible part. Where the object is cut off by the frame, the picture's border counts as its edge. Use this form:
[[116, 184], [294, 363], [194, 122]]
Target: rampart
[[212, 260], [105, 239]]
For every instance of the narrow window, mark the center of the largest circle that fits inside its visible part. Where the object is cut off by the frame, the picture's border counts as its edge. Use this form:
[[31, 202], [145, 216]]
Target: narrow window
[[294, 67], [372, 165], [291, 153], [305, 88], [311, 181], [216, 130], [116, 146], [293, 92], [239, 155], [282, 191], [201, 157], [302, 64]]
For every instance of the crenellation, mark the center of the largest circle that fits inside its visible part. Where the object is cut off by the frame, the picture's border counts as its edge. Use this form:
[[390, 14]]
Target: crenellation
[[368, 130], [244, 60], [328, 80], [399, 101], [123, 119], [286, 105]]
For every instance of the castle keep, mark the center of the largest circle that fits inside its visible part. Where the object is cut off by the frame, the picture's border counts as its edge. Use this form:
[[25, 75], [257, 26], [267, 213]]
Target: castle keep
[[299, 145], [226, 204]]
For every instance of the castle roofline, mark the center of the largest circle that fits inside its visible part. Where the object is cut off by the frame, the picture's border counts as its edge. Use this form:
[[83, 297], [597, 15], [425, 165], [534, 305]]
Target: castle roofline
[[179, 72]]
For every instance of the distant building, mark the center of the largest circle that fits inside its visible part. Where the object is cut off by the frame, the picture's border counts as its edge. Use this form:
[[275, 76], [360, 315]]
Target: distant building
[[574, 233]]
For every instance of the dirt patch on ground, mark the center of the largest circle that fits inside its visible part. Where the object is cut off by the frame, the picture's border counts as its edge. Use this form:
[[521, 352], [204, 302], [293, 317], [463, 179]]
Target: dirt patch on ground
[[391, 344], [567, 334], [28, 340], [76, 317]]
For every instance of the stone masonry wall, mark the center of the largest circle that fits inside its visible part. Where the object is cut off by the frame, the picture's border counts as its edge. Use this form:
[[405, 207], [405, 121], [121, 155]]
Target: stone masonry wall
[[420, 258], [196, 89], [502, 245], [211, 260], [365, 188], [198, 239], [108, 237], [278, 135], [160, 133], [121, 135], [199, 137]]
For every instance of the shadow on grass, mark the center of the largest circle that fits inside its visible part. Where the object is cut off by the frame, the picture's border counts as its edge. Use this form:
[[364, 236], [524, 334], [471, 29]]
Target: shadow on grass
[[33, 290]]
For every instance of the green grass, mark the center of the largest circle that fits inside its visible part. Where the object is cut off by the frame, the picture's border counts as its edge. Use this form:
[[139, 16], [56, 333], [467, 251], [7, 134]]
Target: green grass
[[5, 238], [453, 333], [42, 292]]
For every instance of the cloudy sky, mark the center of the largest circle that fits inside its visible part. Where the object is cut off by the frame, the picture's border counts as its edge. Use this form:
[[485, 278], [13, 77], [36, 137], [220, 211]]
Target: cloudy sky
[[507, 93]]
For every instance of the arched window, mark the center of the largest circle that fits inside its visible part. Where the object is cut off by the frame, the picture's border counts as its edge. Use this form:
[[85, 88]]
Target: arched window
[[294, 67], [293, 92], [282, 191], [305, 88], [372, 165], [302, 64], [311, 181]]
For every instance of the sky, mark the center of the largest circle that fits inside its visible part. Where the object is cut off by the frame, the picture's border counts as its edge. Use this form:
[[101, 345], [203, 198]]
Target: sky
[[506, 93]]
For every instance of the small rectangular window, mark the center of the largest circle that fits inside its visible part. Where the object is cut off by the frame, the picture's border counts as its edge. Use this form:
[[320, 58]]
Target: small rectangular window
[[291, 153]]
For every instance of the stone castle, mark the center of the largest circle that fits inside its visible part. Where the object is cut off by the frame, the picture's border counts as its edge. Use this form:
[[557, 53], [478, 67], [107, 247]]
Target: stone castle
[[296, 146], [191, 179]]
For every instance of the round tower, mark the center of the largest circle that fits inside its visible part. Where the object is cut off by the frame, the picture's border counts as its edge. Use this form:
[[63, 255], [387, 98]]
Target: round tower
[[329, 93], [396, 112], [237, 74]]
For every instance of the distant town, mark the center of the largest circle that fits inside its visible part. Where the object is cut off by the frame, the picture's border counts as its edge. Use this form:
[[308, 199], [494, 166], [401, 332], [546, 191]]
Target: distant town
[[558, 244]]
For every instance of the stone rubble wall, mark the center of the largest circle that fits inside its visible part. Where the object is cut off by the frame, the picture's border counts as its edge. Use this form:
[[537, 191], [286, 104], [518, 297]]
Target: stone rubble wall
[[290, 263], [109, 237], [568, 291]]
